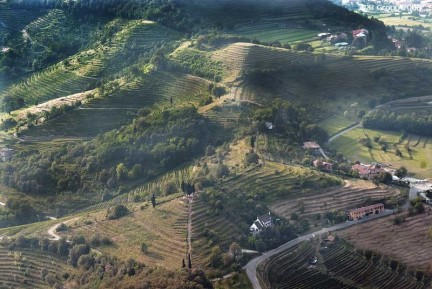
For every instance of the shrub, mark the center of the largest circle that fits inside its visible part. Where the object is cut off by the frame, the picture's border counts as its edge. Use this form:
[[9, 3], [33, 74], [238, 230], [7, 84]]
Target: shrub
[[116, 212], [144, 248], [398, 220]]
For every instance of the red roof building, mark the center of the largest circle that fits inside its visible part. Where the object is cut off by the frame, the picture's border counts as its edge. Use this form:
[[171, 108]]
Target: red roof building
[[311, 145], [367, 171], [366, 211]]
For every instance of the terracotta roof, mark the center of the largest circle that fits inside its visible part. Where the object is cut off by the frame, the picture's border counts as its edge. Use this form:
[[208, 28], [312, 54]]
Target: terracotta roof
[[371, 207], [311, 145]]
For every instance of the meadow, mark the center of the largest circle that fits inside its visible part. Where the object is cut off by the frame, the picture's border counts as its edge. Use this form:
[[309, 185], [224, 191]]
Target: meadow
[[418, 161], [271, 32]]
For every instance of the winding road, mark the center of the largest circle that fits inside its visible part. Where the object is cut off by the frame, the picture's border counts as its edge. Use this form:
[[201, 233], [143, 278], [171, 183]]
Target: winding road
[[251, 267], [350, 128]]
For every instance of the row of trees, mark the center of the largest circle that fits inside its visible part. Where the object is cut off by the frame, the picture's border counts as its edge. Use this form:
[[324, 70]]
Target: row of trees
[[420, 124]]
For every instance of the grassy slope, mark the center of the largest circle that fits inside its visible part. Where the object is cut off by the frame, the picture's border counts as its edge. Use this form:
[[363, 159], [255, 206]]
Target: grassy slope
[[420, 163]]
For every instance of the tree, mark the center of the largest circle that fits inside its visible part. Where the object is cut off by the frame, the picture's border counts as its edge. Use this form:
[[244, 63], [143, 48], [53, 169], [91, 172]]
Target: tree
[[144, 248], [401, 172], [385, 177], [121, 171], [215, 258], [153, 200], [398, 153], [76, 252], [189, 261]]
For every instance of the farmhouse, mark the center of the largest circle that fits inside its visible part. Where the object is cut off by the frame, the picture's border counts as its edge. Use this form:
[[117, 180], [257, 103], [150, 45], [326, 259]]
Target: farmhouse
[[325, 166], [366, 211], [312, 147], [368, 171], [5, 154], [360, 33], [260, 223]]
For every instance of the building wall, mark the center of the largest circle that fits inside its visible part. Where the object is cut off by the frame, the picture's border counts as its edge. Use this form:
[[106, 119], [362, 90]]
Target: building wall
[[355, 215]]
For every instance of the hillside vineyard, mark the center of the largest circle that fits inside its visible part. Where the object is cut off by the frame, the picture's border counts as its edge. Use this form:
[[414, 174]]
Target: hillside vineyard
[[215, 144]]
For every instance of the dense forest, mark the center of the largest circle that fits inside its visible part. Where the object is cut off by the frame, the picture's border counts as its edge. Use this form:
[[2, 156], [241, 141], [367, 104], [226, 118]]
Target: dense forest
[[415, 123], [151, 145]]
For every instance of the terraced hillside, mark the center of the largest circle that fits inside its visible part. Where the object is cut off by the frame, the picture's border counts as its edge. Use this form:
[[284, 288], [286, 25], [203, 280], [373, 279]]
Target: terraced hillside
[[409, 242], [120, 107], [353, 194], [210, 230], [339, 266], [305, 75], [17, 19], [278, 181], [21, 268], [81, 71]]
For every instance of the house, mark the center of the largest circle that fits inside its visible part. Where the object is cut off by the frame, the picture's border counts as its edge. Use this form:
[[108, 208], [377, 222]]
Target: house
[[366, 211], [269, 125], [360, 33], [5, 154], [312, 146], [325, 166], [260, 223], [330, 239], [324, 35], [368, 171]]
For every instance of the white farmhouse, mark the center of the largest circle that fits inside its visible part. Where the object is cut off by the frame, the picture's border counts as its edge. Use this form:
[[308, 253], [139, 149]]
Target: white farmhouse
[[261, 222]]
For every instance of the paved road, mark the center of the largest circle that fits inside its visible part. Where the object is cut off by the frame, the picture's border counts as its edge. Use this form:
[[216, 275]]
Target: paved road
[[323, 153], [343, 132], [253, 264]]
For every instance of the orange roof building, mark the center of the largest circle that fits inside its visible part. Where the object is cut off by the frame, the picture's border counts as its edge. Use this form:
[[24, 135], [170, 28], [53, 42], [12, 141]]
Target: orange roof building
[[366, 211]]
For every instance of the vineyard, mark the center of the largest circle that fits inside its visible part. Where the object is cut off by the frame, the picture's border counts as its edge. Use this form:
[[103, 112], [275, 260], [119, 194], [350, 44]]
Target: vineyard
[[120, 107], [21, 268], [339, 266], [353, 194], [208, 231], [278, 181], [325, 79], [162, 230], [409, 242], [81, 71], [418, 160], [17, 19]]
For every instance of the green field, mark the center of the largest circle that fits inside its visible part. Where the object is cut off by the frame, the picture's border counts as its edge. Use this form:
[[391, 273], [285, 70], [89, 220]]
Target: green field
[[418, 162], [335, 124], [270, 33]]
